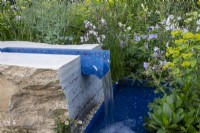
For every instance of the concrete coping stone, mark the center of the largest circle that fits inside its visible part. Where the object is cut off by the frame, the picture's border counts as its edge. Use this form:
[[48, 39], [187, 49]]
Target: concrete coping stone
[[36, 60]]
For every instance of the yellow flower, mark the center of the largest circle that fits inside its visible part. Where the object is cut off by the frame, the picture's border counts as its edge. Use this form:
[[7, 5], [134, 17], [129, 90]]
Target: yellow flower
[[175, 54], [173, 51], [180, 41], [188, 35], [186, 64], [188, 20], [168, 65], [197, 36], [186, 56], [176, 33], [198, 2], [23, 8]]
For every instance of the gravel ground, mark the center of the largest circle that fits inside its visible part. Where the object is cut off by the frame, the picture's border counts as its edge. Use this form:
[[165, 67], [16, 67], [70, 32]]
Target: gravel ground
[[89, 117]]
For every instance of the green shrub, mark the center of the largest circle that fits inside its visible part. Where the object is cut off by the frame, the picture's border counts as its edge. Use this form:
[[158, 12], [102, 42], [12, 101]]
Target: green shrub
[[178, 109]]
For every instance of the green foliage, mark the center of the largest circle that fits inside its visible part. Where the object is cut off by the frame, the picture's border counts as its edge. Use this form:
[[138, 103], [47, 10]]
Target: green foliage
[[61, 127], [63, 123], [137, 32], [178, 109], [62, 22]]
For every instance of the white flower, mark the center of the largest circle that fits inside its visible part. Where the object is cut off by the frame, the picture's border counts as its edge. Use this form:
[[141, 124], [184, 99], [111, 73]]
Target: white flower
[[98, 39], [198, 22], [167, 28], [163, 21], [93, 32], [152, 27], [17, 18], [185, 30], [86, 38], [82, 40], [149, 13], [157, 12], [179, 18], [129, 28], [172, 27], [171, 16], [198, 28], [103, 21], [79, 122], [168, 21], [157, 27], [156, 49], [142, 5], [167, 44], [71, 38], [66, 123], [120, 24], [103, 36]]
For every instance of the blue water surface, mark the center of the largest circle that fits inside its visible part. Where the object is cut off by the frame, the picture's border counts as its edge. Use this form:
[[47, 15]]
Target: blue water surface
[[130, 104]]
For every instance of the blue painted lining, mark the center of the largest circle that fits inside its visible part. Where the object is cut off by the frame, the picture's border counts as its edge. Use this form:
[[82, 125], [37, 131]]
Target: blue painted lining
[[96, 62]]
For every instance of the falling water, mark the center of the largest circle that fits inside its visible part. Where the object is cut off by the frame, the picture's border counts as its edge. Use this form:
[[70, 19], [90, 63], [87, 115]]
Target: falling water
[[108, 100]]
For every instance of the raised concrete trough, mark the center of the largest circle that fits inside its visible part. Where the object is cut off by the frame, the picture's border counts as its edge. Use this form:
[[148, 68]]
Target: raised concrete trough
[[34, 86]]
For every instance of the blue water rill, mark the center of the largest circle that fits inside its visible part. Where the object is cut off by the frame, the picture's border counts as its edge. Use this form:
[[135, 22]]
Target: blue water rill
[[93, 62]]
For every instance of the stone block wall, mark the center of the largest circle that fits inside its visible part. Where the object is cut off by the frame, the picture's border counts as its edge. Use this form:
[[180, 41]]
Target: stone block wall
[[34, 86]]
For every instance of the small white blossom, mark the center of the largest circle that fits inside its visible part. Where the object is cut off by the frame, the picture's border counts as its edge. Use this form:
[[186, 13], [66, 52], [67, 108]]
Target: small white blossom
[[17, 18], [163, 21], [81, 39], [103, 36], [198, 22], [198, 28], [98, 39], [79, 122], [157, 12], [66, 123], [71, 38], [156, 49], [149, 13], [129, 28], [167, 44], [120, 24], [103, 21], [157, 27], [86, 38], [185, 30], [179, 18]]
